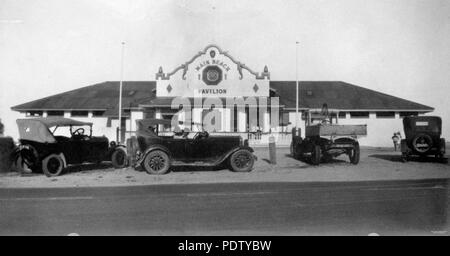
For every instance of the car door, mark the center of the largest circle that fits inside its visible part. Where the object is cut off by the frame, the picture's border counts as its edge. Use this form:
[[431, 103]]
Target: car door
[[94, 149], [72, 150], [198, 149], [176, 146]]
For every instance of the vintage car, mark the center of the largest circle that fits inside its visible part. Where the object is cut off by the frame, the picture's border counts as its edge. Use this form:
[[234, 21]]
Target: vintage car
[[157, 153], [325, 140], [40, 148], [423, 137]]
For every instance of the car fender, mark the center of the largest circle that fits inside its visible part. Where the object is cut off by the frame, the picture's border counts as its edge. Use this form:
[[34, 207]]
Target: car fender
[[153, 148], [19, 151], [63, 159], [119, 146], [229, 153]]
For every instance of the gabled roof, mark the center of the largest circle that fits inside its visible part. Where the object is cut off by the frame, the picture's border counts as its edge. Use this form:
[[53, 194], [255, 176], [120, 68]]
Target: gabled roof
[[101, 96], [313, 94], [340, 95], [54, 121]]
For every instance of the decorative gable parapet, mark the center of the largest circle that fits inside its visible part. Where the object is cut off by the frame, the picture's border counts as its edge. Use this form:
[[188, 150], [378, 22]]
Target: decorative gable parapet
[[161, 74], [240, 66]]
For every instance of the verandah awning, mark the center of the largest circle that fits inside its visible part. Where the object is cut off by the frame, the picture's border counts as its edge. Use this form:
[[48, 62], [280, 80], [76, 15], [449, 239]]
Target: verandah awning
[[166, 102]]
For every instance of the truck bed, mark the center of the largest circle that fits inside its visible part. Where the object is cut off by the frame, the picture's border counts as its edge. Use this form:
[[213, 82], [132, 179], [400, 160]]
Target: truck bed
[[335, 130]]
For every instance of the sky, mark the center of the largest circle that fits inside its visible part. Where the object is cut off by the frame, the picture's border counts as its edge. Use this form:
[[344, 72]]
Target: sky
[[398, 47]]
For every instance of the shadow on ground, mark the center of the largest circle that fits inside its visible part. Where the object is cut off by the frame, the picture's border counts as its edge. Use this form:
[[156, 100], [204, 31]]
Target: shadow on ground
[[398, 159], [189, 168], [88, 167], [322, 161]]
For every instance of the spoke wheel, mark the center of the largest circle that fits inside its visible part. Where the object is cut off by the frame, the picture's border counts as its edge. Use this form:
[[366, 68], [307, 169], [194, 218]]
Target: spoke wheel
[[242, 161], [156, 162]]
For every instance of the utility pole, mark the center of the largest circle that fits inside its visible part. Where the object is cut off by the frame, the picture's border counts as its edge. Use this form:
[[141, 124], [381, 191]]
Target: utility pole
[[297, 85], [120, 94]]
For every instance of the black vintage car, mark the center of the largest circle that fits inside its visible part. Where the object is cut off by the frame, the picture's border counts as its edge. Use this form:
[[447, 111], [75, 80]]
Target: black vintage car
[[41, 149], [158, 153], [423, 137]]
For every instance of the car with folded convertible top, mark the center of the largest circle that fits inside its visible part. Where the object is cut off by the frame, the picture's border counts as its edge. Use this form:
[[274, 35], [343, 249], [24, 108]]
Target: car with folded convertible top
[[157, 153]]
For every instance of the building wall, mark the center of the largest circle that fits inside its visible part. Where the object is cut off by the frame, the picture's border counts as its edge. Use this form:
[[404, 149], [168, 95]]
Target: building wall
[[379, 130]]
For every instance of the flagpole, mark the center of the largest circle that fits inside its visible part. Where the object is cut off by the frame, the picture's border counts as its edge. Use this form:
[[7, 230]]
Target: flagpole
[[120, 93], [297, 85]]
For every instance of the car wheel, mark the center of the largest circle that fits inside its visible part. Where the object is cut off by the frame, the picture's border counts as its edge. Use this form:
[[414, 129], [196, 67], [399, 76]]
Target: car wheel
[[119, 158], [354, 153], [315, 155], [242, 161], [156, 162], [52, 165]]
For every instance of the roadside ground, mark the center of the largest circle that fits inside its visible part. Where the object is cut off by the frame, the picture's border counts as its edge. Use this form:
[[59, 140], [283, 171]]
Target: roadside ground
[[375, 164]]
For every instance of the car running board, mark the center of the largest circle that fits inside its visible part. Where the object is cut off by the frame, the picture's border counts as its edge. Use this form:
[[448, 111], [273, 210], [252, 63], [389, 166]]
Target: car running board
[[198, 163]]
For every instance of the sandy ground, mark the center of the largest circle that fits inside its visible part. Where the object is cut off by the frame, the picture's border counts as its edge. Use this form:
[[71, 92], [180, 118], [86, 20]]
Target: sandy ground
[[375, 164]]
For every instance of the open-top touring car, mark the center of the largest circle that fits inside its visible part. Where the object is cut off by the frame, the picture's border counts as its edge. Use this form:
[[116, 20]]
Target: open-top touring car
[[40, 148], [157, 153]]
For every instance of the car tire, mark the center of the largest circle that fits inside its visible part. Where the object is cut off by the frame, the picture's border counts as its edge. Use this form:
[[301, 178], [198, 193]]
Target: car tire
[[52, 165], [156, 162], [242, 161], [425, 137], [315, 155], [119, 158], [354, 153]]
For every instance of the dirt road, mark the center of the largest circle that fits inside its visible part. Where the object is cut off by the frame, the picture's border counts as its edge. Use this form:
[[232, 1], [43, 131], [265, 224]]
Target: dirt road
[[375, 164]]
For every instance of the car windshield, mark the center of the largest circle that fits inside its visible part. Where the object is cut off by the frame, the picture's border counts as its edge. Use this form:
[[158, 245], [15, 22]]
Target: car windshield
[[70, 131]]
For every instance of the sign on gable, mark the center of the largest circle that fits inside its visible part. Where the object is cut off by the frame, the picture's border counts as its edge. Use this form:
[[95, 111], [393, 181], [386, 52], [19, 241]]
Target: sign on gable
[[212, 73]]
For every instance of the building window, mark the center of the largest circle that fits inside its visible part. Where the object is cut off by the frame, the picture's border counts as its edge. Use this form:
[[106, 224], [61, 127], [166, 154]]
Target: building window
[[34, 113], [386, 114], [359, 114], [98, 113], [79, 113], [55, 113], [284, 119], [405, 114], [149, 113], [342, 115]]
